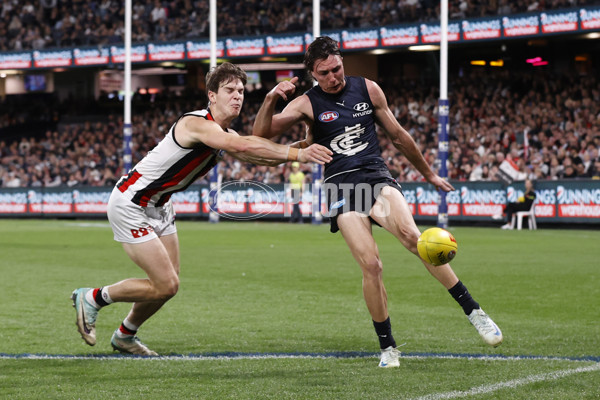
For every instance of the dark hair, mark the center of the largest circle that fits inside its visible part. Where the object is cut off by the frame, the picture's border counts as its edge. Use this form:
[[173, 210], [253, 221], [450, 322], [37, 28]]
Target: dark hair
[[321, 48], [222, 75]]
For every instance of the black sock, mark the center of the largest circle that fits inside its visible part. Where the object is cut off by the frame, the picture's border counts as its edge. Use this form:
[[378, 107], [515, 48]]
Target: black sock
[[384, 333], [463, 298]]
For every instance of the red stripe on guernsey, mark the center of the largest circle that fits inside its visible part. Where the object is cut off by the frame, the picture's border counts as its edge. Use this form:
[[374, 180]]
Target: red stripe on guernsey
[[209, 116], [131, 179], [95, 292], [175, 179]]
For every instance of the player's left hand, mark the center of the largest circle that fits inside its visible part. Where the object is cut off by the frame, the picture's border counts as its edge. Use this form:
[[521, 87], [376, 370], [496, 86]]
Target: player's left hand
[[441, 184], [315, 153]]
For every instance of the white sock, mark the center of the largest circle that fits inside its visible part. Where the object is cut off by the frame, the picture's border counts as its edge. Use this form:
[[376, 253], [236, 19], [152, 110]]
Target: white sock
[[129, 325]]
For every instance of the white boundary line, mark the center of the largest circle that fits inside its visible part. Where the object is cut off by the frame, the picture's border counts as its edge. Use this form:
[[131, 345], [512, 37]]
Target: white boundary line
[[484, 389], [272, 356]]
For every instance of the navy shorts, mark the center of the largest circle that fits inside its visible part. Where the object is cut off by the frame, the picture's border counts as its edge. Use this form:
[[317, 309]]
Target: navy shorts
[[355, 191]]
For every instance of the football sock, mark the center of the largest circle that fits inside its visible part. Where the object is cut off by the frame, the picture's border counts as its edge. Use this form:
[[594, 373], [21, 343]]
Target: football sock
[[462, 296], [127, 329], [98, 297], [384, 333]]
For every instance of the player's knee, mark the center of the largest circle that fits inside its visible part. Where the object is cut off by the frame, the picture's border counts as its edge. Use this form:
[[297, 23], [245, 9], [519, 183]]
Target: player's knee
[[411, 237], [168, 289], [372, 267]]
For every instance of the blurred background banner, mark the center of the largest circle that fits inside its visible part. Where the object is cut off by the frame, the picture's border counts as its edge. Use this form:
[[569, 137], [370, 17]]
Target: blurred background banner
[[558, 202]]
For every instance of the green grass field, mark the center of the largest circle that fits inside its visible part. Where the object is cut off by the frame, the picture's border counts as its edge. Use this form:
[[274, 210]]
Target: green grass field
[[262, 288]]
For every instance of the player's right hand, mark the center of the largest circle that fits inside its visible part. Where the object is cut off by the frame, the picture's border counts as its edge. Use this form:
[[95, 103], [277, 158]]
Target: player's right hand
[[285, 88], [315, 153], [441, 184]]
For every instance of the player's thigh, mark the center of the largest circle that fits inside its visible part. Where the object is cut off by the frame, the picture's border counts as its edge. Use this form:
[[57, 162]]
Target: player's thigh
[[152, 256], [392, 212], [171, 243], [356, 230]]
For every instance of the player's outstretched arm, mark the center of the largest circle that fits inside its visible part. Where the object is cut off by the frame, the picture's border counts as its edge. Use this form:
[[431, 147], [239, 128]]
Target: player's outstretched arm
[[314, 153], [401, 138], [255, 149]]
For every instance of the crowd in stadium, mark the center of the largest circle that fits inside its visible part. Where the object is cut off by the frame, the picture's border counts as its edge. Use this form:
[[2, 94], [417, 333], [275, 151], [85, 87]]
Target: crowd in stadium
[[37, 24], [490, 114]]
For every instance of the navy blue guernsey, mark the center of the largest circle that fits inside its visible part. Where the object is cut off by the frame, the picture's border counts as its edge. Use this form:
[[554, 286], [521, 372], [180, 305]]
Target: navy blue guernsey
[[345, 123]]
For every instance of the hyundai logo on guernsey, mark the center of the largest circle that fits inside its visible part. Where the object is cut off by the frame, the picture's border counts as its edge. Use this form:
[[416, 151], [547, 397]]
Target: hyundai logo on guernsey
[[328, 116], [363, 109]]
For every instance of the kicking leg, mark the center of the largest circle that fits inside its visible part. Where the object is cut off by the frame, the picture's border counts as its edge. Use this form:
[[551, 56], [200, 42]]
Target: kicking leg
[[392, 212]]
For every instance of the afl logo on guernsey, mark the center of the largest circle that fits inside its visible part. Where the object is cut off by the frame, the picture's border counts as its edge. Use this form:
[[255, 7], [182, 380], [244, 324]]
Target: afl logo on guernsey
[[328, 116]]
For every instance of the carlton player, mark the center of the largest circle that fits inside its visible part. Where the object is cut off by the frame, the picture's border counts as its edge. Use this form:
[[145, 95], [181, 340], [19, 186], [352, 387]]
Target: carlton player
[[340, 114], [141, 213]]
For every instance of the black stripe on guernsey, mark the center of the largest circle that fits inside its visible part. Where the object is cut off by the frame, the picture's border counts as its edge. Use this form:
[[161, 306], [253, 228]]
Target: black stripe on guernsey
[[178, 177], [203, 114]]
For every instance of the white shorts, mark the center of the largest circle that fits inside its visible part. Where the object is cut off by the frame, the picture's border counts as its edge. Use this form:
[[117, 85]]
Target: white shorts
[[136, 224]]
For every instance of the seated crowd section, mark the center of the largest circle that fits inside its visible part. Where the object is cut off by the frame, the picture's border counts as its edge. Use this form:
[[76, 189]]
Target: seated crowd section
[[490, 116], [38, 24]]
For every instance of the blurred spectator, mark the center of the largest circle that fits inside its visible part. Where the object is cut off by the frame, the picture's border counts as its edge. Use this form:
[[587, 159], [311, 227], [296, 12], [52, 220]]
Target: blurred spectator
[[561, 120], [91, 22]]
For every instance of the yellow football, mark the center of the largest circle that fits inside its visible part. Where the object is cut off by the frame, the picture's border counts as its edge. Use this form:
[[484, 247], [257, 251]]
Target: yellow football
[[437, 246]]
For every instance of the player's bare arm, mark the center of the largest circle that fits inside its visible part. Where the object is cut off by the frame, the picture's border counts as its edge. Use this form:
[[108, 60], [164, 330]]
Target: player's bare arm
[[307, 141], [298, 110], [401, 138], [192, 130]]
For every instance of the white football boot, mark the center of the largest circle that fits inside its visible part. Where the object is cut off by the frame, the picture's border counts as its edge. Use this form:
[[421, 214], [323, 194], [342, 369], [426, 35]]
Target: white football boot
[[389, 357], [488, 330], [130, 345]]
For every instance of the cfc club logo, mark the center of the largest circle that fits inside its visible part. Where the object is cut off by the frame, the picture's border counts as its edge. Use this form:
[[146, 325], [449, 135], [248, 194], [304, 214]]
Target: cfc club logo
[[328, 116], [349, 143]]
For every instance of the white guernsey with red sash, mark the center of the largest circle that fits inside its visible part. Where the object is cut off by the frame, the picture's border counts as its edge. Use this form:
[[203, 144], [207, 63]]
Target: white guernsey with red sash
[[168, 168]]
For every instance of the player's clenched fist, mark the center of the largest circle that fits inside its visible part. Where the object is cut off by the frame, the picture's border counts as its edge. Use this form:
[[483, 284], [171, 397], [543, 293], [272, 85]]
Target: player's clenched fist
[[315, 153], [284, 89]]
